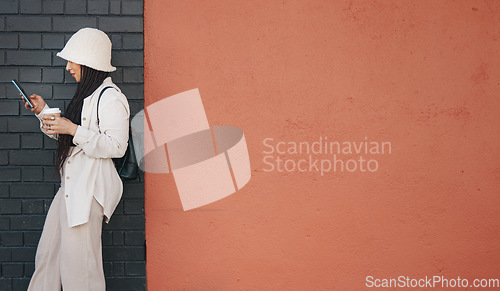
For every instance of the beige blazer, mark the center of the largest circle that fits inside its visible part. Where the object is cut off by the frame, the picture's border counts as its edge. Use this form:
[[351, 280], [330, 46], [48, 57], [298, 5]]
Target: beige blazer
[[89, 171]]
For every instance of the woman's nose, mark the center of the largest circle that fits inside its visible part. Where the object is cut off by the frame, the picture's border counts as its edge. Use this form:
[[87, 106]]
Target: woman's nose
[[67, 66]]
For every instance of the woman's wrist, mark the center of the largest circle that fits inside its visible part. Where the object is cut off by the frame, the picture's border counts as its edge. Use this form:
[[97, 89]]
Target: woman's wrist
[[73, 129]]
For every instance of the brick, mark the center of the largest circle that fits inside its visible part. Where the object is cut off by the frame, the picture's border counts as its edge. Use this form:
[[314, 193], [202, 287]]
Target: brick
[[115, 7], [133, 41], [133, 190], [7, 74], [5, 255], [4, 159], [53, 41], [108, 269], [123, 253], [4, 190], [10, 206], [20, 283], [116, 41], [133, 91], [53, 6], [33, 88], [69, 80], [97, 7], [120, 24], [11, 238], [50, 174], [124, 222], [31, 190], [2, 23], [30, 41], [64, 91], [12, 270], [57, 61], [28, 23], [119, 208], [136, 284], [9, 107], [23, 124], [132, 7], [49, 143], [2, 90], [133, 206], [32, 174], [33, 206], [107, 238], [27, 222], [5, 284], [46, 205], [117, 76], [9, 6], [11, 92], [10, 174], [133, 75], [29, 58], [73, 23], [134, 238], [33, 75], [25, 254], [9, 141], [75, 7], [135, 106], [31, 6], [118, 269], [52, 75], [135, 268], [4, 223], [25, 112], [9, 40], [118, 238], [32, 141], [29, 269], [32, 238]]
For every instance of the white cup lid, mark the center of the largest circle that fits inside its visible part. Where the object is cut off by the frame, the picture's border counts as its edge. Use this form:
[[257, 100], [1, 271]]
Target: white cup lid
[[51, 111]]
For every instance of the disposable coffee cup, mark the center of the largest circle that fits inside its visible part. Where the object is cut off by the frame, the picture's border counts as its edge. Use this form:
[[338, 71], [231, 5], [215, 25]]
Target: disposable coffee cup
[[52, 112]]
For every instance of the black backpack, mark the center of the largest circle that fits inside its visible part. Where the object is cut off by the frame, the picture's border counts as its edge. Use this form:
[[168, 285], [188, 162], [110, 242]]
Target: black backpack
[[126, 166]]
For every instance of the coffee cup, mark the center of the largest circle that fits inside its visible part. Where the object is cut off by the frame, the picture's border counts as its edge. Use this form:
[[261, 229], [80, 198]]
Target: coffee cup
[[52, 112]]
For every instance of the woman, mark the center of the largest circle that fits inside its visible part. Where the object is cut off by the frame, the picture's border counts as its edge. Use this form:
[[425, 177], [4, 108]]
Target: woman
[[69, 252]]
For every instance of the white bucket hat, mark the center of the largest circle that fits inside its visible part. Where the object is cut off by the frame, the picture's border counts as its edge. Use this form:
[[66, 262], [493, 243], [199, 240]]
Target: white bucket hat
[[90, 47]]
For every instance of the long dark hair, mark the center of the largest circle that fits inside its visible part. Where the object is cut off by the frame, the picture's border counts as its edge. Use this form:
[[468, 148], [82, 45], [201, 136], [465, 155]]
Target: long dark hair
[[90, 80]]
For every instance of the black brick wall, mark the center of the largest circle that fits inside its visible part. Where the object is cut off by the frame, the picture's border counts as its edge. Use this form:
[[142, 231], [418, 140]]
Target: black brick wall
[[31, 33]]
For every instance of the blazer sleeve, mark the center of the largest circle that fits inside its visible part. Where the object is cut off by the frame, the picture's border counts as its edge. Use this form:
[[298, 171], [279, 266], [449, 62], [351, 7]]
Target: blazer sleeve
[[40, 116], [112, 140]]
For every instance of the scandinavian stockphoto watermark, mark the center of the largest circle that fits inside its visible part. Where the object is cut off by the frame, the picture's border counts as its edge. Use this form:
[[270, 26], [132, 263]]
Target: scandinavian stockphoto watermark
[[324, 155], [429, 282]]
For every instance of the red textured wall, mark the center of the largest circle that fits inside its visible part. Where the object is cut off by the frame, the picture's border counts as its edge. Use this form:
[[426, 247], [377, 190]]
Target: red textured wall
[[422, 75]]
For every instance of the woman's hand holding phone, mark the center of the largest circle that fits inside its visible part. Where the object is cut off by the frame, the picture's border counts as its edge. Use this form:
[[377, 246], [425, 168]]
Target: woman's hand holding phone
[[37, 101]]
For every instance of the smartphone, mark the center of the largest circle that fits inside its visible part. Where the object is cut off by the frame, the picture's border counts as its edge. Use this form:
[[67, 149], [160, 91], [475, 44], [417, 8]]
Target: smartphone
[[22, 93]]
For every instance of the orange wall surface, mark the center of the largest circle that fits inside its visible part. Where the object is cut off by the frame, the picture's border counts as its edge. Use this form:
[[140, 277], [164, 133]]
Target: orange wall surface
[[423, 76]]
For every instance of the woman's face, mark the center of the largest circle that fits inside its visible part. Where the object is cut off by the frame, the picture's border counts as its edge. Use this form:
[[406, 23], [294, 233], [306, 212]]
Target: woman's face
[[74, 69]]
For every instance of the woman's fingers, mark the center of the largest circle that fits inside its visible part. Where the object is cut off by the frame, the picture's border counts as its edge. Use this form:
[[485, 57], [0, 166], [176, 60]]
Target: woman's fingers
[[50, 120], [24, 101]]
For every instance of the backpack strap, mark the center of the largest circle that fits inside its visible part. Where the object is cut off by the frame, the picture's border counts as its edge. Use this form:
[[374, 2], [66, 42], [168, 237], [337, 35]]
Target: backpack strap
[[98, 100]]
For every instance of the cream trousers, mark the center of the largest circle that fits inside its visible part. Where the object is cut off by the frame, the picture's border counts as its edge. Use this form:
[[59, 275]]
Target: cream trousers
[[71, 257]]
